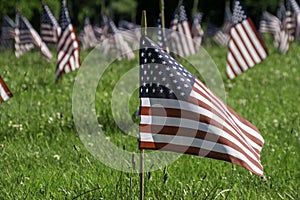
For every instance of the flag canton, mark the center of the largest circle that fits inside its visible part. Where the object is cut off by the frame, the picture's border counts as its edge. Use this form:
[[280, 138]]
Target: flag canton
[[47, 16], [211, 30], [161, 39], [64, 19], [161, 76], [197, 18], [182, 14], [239, 13], [294, 6], [87, 21], [7, 22], [23, 23]]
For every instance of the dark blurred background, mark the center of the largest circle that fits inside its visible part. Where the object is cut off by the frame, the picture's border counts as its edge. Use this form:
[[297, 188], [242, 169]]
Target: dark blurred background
[[131, 9]]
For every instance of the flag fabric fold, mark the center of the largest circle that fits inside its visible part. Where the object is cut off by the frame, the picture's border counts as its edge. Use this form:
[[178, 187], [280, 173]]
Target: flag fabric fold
[[245, 48], [179, 113], [5, 94], [49, 27], [68, 58]]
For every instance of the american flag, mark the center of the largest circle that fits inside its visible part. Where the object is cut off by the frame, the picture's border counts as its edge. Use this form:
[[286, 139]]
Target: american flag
[[49, 28], [289, 21], [87, 37], [179, 113], [296, 15], [120, 45], [26, 38], [181, 36], [7, 32], [67, 48], [271, 24], [161, 36], [5, 94], [23, 38], [217, 34], [245, 48]]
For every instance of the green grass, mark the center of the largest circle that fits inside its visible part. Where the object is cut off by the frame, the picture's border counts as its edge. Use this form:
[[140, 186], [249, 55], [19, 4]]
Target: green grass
[[42, 156]]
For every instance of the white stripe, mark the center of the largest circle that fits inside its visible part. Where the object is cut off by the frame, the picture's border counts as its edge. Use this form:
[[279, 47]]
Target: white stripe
[[255, 40], [66, 68], [242, 47], [67, 46], [229, 72], [176, 43], [188, 36], [248, 43], [72, 63], [64, 35], [3, 93], [234, 50], [233, 63], [202, 144], [46, 26], [183, 40], [67, 57]]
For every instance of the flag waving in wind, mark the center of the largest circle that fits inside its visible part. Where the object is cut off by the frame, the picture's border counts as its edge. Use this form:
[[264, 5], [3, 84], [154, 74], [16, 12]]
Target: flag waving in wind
[[5, 94], [245, 48], [68, 48], [49, 28], [26, 38], [179, 113]]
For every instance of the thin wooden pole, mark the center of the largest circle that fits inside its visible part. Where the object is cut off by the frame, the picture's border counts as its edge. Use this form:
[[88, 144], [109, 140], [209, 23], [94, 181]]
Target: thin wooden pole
[[195, 7], [142, 186], [162, 12]]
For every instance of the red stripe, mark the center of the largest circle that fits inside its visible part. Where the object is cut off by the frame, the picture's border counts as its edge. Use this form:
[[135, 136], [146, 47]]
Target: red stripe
[[5, 88], [198, 152]]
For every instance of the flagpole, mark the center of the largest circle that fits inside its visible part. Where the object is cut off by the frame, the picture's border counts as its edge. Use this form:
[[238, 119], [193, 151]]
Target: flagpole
[[142, 187], [195, 7], [162, 12]]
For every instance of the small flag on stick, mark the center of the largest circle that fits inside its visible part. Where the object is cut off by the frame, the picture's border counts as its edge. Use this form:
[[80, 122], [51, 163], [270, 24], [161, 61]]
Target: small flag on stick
[[67, 48], [5, 94], [245, 48], [26, 38], [49, 28]]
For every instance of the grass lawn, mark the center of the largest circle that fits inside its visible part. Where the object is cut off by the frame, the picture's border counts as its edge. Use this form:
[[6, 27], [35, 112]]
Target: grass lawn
[[42, 156]]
